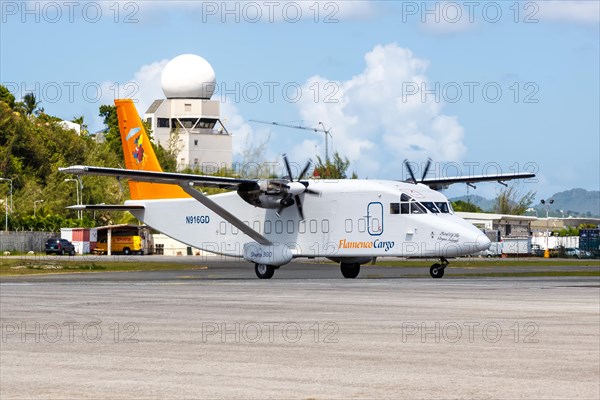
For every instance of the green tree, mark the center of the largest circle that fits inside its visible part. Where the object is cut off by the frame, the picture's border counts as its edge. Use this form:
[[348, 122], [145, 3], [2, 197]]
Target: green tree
[[335, 169], [7, 97], [466, 206], [31, 103], [79, 121], [510, 202]]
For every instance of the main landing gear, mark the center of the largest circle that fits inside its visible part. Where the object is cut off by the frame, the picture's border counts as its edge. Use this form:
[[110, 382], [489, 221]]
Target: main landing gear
[[437, 269], [264, 271], [350, 270]]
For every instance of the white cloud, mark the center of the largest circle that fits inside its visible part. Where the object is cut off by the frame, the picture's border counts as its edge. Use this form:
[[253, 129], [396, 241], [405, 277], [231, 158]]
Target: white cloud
[[375, 125], [569, 11], [144, 87]]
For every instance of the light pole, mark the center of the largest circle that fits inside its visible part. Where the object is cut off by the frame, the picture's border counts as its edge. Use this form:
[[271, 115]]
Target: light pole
[[77, 193], [5, 201], [35, 206], [547, 203], [11, 192]]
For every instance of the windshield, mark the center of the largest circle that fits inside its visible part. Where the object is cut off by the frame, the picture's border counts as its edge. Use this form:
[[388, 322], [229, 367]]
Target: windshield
[[431, 207], [443, 207]]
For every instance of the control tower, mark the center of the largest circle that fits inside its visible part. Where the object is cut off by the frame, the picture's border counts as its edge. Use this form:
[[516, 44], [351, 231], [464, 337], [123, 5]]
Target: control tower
[[188, 121]]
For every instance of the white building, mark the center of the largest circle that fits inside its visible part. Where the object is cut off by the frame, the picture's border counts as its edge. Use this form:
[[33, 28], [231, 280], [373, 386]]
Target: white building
[[187, 120]]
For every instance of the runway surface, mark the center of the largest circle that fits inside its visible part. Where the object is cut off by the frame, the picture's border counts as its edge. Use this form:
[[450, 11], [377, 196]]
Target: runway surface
[[184, 334]]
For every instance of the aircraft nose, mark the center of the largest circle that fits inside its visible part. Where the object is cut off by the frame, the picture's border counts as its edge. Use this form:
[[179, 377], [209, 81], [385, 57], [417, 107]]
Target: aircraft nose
[[482, 242]]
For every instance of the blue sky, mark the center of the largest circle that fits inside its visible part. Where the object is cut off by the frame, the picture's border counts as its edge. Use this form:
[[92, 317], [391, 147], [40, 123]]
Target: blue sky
[[477, 86]]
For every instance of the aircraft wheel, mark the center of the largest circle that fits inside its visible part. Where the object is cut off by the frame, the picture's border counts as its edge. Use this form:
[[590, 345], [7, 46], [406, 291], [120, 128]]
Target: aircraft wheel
[[264, 271], [350, 271], [436, 271]]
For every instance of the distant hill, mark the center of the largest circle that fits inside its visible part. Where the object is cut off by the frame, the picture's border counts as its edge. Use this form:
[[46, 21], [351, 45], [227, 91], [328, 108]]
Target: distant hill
[[481, 202], [575, 202]]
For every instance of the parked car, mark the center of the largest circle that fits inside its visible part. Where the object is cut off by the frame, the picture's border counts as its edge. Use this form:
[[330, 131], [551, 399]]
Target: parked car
[[59, 246], [537, 251], [576, 253]]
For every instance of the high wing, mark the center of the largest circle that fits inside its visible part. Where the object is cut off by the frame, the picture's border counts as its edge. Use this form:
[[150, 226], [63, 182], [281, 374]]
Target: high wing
[[441, 183], [186, 182], [163, 177]]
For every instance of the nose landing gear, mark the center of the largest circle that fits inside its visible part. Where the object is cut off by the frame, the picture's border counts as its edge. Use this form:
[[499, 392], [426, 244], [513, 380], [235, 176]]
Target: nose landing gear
[[437, 269]]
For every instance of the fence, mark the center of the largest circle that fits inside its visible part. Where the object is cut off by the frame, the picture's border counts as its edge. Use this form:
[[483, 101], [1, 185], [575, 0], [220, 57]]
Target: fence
[[22, 242]]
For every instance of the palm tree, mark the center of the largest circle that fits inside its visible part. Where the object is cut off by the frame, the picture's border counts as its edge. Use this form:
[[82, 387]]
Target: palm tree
[[79, 121], [30, 103]]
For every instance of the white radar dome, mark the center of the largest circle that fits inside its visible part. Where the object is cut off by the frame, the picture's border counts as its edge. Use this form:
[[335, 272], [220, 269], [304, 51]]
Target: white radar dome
[[188, 76]]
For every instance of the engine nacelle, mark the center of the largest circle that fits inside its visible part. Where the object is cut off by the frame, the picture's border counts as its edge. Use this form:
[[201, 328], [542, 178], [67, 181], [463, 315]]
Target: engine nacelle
[[266, 194]]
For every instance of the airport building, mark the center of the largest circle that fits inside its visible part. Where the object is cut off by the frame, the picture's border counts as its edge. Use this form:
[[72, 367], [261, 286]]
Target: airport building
[[187, 121]]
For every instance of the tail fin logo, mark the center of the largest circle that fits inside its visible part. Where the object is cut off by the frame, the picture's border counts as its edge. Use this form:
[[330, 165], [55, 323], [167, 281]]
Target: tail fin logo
[[138, 150]]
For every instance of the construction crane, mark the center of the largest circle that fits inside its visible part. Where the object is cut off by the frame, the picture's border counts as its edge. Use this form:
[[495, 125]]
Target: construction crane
[[326, 131]]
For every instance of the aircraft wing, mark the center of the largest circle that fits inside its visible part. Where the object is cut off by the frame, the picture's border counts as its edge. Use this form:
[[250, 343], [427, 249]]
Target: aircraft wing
[[441, 183], [161, 177], [104, 207], [185, 181]]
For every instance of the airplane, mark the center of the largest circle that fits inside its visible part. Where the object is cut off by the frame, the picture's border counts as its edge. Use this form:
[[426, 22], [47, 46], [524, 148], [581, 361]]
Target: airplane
[[348, 221]]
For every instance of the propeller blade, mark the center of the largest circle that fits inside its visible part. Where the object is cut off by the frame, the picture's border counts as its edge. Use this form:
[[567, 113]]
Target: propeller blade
[[410, 171], [287, 167], [299, 205], [426, 169], [304, 171]]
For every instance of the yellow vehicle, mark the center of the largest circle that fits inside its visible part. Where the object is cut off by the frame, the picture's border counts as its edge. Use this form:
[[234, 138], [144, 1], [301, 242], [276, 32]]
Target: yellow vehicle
[[121, 244]]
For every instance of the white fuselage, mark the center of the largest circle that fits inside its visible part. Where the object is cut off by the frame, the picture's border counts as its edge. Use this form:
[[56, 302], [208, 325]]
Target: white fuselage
[[347, 219]]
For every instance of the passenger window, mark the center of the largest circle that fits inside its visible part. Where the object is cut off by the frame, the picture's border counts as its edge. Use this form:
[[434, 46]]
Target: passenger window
[[223, 228], [278, 226], [290, 227], [313, 226], [302, 227], [257, 226], [268, 227], [325, 226], [362, 225], [394, 208], [234, 230], [348, 226]]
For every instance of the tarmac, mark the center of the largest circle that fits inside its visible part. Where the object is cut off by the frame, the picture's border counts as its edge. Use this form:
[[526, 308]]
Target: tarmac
[[210, 334]]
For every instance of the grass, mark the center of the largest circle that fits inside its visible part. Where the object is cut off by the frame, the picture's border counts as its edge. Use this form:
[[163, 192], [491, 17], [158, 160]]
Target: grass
[[28, 265], [47, 265], [496, 262]]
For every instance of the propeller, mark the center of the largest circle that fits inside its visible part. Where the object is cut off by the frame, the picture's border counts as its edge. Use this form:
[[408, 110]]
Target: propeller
[[412, 174], [294, 188]]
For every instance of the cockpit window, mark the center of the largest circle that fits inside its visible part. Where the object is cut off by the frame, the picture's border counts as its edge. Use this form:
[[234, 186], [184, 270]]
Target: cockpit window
[[409, 206], [443, 207], [416, 208], [431, 207]]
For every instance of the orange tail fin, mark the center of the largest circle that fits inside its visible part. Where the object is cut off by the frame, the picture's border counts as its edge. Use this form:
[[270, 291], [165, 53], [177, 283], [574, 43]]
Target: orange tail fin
[[139, 155]]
